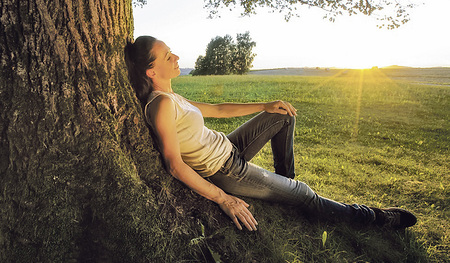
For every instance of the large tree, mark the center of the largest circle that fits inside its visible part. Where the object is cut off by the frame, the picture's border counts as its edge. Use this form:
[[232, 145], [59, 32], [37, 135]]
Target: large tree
[[79, 177]]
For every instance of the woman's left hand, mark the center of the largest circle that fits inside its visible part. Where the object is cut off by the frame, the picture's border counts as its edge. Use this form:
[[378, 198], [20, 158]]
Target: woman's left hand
[[281, 107], [237, 210]]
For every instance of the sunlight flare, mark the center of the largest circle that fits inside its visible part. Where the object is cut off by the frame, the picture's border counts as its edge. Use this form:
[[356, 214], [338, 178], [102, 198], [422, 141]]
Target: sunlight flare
[[358, 105]]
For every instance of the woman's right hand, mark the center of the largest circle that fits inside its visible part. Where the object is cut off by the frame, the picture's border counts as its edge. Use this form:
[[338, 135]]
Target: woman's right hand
[[281, 107], [237, 208]]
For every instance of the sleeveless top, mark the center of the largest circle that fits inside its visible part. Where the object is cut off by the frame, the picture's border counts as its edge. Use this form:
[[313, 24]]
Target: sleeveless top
[[204, 150]]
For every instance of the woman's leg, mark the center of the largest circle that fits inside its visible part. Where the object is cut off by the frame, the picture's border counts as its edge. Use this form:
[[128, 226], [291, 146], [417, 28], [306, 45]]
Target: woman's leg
[[255, 133], [245, 179]]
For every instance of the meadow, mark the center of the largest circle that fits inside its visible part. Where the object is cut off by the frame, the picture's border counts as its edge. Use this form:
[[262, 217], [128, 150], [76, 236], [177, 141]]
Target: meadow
[[378, 137]]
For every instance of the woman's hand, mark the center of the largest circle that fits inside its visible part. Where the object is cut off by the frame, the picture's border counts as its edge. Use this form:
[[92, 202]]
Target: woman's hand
[[281, 107], [236, 209]]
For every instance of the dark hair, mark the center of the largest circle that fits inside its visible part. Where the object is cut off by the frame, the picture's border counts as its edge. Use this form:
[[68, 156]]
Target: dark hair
[[139, 58]]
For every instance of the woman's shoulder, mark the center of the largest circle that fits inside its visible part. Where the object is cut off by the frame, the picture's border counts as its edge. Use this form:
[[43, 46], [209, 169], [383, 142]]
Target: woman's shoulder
[[156, 97], [162, 104]]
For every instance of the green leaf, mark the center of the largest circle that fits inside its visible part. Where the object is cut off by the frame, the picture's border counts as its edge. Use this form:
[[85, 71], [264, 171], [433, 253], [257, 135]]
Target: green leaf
[[324, 238]]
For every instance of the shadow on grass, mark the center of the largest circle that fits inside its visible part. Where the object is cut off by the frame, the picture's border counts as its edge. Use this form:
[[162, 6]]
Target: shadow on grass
[[284, 235]]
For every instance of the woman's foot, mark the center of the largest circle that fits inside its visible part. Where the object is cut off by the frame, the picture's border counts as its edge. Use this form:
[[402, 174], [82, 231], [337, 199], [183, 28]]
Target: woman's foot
[[393, 217]]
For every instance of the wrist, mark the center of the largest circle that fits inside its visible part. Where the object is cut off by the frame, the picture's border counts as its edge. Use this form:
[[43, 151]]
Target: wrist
[[220, 197]]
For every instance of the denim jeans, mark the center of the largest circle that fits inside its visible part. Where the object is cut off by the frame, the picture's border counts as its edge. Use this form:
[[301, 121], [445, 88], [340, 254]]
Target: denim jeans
[[239, 177]]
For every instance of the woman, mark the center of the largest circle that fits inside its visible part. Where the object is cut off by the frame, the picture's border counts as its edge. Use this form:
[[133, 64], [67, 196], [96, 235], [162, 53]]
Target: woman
[[215, 165]]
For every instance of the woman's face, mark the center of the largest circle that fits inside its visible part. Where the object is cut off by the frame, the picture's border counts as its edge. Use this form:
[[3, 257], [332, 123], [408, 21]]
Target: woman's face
[[165, 64]]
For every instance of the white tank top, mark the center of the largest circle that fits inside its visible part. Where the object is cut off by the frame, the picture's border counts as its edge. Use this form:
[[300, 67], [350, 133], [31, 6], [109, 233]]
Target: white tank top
[[204, 150]]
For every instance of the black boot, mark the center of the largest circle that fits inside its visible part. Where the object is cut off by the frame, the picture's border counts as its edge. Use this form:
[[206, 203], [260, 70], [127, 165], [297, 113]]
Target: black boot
[[393, 217]]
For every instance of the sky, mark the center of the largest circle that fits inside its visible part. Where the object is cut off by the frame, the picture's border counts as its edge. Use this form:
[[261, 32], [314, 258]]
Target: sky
[[305, 41]]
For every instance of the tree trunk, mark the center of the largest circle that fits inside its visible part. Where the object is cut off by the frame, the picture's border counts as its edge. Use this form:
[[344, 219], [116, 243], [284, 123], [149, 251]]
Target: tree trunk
[[79, 177]]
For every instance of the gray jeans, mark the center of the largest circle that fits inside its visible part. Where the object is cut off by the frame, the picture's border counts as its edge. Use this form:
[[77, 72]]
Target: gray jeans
[[239, 177]]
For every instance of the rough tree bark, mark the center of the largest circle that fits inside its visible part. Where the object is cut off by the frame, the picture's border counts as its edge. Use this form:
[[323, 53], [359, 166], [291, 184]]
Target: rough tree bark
[[79, 177]]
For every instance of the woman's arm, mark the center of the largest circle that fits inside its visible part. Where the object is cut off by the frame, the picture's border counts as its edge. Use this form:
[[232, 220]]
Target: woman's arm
[[162, 116], [226, 110]]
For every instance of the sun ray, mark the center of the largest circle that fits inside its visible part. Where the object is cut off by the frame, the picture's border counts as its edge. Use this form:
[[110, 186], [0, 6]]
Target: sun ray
[[358, 105], [328, 80]]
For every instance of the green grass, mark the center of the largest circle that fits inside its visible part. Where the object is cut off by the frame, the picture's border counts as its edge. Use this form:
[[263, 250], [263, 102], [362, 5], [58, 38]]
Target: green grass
[[361, 137]]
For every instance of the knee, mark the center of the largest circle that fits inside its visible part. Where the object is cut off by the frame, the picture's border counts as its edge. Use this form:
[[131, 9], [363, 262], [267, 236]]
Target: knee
[[280, 117], [289, 120]]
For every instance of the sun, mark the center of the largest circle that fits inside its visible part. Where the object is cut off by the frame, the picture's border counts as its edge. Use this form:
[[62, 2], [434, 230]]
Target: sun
[[363, 66], [363, 57], [360, 63]]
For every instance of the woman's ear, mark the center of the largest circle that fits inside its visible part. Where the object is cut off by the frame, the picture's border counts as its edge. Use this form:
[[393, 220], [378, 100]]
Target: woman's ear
[[150, 73]]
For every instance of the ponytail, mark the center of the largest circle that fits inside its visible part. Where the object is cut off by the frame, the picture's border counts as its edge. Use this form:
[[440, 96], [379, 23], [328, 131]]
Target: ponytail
[[139, 58]]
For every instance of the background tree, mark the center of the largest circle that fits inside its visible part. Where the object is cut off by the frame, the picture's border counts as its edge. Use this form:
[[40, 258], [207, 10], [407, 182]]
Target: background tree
[[224, 56], [391, 13], [243, 56], [219, 54], [217, 60], [201, 68]]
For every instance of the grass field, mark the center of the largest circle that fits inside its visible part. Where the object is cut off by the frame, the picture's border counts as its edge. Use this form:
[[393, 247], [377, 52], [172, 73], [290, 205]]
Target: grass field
[[376, 137]]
